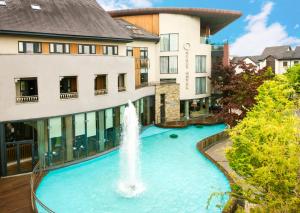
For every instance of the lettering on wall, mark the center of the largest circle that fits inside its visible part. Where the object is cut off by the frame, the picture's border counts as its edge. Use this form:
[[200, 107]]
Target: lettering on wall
[[187, 47]]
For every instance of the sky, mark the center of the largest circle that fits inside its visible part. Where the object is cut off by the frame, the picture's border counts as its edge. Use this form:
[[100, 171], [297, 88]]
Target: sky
[[264, 22]]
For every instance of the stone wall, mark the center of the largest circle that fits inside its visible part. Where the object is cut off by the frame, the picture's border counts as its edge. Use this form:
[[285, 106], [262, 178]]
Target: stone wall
[[172, 102]]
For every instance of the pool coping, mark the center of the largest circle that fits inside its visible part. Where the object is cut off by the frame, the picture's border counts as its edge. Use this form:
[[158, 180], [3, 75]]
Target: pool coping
[[204, 145]]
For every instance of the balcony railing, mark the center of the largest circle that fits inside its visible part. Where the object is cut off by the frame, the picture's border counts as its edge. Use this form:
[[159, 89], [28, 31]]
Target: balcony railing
[[27, 99], [101, 92], [204, 40], [121, 89], [142, 63], [69, 95]]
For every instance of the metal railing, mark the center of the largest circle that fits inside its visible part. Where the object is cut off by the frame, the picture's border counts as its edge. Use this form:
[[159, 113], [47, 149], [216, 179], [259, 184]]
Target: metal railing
[[38, 173], [101, 92], [27, 99], [69, 95], [121, 89]]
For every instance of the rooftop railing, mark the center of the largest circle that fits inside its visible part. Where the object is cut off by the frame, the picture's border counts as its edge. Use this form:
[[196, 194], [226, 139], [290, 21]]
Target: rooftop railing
[[101, 92]]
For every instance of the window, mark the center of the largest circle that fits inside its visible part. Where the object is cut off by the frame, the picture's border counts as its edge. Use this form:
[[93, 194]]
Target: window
[[144, 52], [61, 48], [110, 50], [26, 90], [169, 42], [285, 63], [129, 51], [201, 85], [86, 49], [200, 63], [121, 82], [168, 65], [30, 47], [68, 87], [296, 62], [35, 7], [100, 84], [2, 3]]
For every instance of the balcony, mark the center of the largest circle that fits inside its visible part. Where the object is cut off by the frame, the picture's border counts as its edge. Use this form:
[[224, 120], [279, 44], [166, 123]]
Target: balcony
[[100, 85], [101, 92], [68, 87], [26, 90], [142, 63], [68, 95], [205, 40]]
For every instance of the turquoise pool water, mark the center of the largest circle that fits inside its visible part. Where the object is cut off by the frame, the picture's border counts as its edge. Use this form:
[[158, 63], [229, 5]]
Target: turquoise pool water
[[177, 177]]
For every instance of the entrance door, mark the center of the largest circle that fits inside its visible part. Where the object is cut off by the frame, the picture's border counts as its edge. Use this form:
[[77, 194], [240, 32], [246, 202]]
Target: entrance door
[[20, 148], [162, 108]]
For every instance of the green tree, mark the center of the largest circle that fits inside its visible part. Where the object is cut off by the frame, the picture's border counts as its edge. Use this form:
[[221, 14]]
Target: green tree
[[266, 149], [293, 75]]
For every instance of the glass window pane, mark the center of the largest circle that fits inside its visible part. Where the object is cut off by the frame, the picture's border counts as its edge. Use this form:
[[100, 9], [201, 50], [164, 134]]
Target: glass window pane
[[79, 124], [201, 85], [91, 124], [86, 49], [67, 48], [173, 64], [164, 64], [59, 48], [21, 47], [93, 49], [164, 43], [200, 63], [51, 48], [80, 49], [29, 47], [108, 118], [55, 127], [173, 42], [122, 109]]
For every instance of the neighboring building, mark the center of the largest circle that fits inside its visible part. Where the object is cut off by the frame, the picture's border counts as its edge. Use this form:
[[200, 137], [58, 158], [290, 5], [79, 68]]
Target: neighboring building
[[68, 69], [279, 58]]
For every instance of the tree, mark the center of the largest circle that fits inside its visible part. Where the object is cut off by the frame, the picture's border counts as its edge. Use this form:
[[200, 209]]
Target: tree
[[266, 149], [293, 75], [237, 90]]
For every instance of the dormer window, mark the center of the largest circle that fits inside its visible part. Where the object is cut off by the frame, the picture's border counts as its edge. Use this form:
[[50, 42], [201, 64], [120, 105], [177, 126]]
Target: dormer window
[[2, 3], [36, 7]]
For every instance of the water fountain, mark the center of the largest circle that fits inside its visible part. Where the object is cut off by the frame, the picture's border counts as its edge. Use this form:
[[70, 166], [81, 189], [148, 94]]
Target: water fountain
[[130, 184]]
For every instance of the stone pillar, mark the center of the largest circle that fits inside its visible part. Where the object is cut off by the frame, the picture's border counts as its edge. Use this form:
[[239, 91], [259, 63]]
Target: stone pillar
[[187, 109], [69, 137]]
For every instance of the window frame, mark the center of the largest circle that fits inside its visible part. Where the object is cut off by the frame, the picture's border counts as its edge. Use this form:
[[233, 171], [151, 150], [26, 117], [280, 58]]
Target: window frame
[[129, 50], [169, 42], [285, 62], [115, 49], [168, 64], [55, 48], [92, 49], [205, 67], [24, 49], [205, 92]]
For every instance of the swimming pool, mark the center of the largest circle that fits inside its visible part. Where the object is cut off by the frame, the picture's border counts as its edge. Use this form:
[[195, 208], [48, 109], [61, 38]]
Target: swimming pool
[[177, 177]]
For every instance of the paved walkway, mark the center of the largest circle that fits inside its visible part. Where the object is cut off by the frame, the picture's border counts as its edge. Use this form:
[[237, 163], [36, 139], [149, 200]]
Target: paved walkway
[[217, 152], [15, 194]]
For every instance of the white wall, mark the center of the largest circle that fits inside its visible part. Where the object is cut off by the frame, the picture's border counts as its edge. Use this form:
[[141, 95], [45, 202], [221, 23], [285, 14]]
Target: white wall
[[48, 69], [188, 28], [246, 61]]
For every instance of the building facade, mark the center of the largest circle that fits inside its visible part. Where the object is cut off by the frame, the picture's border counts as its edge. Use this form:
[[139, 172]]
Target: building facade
[[68, 69]]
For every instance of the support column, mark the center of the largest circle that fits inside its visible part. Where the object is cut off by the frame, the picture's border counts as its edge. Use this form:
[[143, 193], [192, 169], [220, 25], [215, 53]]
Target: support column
[[101, 130], [207, 105], [187, 109], [41, 139], [2, 149], [69, 137], [148, 110]]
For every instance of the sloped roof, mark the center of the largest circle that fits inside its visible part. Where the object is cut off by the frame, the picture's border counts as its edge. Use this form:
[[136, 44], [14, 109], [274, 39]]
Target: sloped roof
[[297, 53], [255, 59], [61, 18], [136, 32], [214, 18], [278, 52]]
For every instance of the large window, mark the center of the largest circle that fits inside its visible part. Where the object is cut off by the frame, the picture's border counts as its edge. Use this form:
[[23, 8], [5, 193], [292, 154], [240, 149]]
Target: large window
[[110, 50], [26, 90], [100, 84], [200, 63], [122, 82], [129, 51], [168, 65], [30, 47], [61, 48], [169, 42], [68, 87], [201, 85], [86, 49]]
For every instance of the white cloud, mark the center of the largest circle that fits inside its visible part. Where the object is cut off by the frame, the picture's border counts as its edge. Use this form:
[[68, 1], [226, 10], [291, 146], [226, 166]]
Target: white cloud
[[259, 34], [124, 4], [296, 26]]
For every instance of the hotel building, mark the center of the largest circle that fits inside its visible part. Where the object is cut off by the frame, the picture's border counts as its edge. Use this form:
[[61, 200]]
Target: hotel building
[[68, 68]]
